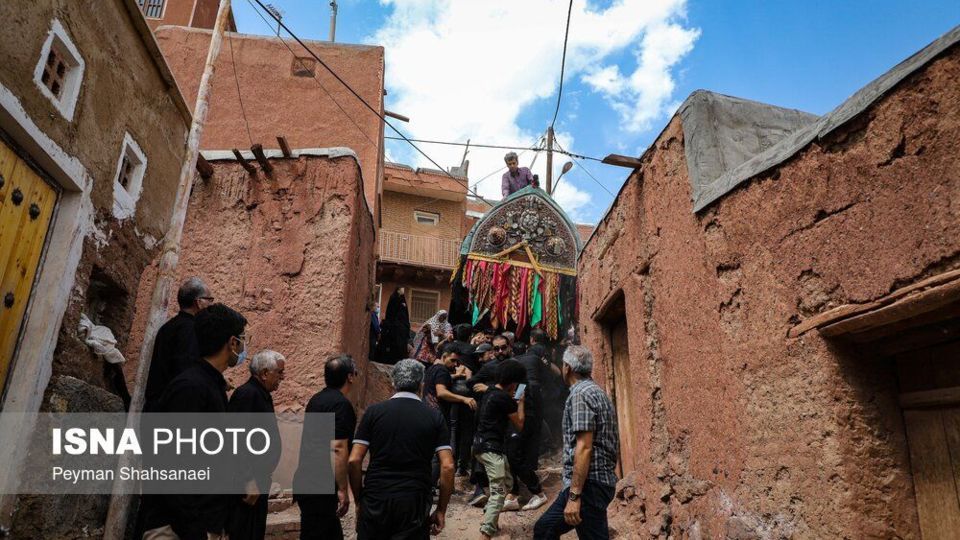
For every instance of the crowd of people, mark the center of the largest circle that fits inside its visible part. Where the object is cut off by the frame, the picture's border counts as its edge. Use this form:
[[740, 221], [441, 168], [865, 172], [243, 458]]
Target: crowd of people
[[467, 402]]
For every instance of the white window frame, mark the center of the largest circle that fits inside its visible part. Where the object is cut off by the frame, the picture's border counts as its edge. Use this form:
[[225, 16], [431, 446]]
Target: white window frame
[[431, 292], [417, 215], [58, 37], [163, 10], [125, 198]]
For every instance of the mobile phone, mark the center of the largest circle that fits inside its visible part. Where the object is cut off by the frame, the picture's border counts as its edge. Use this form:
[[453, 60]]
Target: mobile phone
[[519, 393]]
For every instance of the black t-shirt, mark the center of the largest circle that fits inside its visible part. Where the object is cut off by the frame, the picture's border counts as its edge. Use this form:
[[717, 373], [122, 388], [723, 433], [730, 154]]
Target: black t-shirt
[[402, 435], [314, 451], [493, 418], [174, 350], [434, 375]]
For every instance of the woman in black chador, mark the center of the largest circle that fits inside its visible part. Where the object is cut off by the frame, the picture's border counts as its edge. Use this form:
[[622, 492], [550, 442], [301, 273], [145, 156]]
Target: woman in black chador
[[395, 330]]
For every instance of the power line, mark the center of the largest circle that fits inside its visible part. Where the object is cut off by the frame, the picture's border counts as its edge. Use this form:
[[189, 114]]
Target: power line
[[314, 75], [592, 177], [501, 146], [236, 78], [563, 64], [367, 105]]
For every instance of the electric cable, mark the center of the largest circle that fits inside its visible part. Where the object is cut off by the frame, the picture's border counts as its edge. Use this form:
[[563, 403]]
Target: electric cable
[[563, 64], [236, 78]]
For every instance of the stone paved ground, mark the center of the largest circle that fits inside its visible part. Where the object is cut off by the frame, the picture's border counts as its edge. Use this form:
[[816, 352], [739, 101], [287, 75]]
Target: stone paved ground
[[463, 521]]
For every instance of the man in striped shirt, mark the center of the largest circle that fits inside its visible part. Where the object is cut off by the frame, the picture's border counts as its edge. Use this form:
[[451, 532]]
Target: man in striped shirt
[[591, 444]]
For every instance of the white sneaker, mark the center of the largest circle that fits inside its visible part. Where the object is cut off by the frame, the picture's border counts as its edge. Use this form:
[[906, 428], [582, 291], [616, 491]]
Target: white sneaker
[[511, 505], [535, 502]]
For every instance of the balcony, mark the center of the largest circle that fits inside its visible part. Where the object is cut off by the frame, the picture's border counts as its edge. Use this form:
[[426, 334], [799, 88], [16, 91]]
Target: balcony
[[414, 250]]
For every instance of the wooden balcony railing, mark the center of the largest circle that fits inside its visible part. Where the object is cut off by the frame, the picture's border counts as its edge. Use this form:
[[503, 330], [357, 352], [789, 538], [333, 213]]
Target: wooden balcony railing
[[418, 250]]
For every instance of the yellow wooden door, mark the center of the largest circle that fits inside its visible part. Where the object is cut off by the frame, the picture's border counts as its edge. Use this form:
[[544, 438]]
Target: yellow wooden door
[[623, 392], [934, 440], [27, 203]]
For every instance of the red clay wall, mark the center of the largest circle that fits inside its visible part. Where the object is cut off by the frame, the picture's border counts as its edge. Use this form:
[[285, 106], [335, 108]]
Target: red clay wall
[[294, 254], [741, 430], [274, 99]]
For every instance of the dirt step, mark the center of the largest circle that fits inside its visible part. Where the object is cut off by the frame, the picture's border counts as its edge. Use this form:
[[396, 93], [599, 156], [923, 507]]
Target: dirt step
[[279, 505]]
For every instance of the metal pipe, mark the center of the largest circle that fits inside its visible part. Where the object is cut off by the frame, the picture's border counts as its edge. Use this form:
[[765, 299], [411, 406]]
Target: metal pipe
[[120, 499], [333, 21]]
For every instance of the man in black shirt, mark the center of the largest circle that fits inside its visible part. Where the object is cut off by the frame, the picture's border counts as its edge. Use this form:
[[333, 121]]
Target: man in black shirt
[[524, 445], [438, 384], [248, 515], [487, 376], [200, 389], [402, 435], [320, 514], [497, 409], [175, 346]]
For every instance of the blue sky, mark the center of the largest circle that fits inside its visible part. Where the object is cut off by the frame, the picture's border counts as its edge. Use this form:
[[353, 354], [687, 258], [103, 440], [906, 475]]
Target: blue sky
[[489, 70]]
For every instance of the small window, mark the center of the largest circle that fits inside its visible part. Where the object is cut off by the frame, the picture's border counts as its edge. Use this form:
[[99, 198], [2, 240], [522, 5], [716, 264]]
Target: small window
[[423, 304], [152, 9], [426, 218], [303, 66], [59, 70], [128, 183]]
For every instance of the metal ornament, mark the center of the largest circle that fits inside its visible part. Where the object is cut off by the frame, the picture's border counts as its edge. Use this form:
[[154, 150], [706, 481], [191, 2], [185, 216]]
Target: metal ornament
[[34, 211], [8, 300], [2, 181], [17, 197]]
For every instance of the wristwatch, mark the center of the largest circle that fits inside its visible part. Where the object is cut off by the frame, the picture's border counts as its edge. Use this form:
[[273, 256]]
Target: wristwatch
[[574, 496]]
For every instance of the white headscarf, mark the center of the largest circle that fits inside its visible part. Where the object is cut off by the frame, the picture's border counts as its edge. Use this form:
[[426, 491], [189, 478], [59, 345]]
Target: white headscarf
[[437, 328]]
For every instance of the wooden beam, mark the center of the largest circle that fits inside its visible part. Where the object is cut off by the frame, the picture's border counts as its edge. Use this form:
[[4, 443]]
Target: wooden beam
[[398, 116], [284, 147], [243, 162], [622, 161], [257, 150], [848, 310], [930, 398], [910, 306], [204, 168]]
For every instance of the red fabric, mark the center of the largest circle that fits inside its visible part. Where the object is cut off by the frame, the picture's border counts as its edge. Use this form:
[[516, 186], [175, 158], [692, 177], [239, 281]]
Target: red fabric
[[523, 309]]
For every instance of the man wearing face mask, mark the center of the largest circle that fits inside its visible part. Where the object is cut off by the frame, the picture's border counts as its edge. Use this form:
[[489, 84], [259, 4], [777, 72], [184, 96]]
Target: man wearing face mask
[[248, 515], [200, 389]]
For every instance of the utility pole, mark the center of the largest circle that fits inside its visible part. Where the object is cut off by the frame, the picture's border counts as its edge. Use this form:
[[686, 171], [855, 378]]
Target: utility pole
[[550, 160], [119, 510], [333, 20]]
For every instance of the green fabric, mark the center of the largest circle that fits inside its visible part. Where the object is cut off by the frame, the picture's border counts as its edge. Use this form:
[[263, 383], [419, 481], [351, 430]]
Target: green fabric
[[559, 313], [501, 481], [536, 308], [476, 313]]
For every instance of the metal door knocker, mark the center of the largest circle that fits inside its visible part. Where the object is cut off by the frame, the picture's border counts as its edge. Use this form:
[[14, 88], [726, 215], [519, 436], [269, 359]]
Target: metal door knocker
[[8, 300], [34, 211], [17, 197]]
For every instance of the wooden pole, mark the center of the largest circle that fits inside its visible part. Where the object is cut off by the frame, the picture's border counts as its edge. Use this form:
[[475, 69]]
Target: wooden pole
[[121, 497], [550, 160]]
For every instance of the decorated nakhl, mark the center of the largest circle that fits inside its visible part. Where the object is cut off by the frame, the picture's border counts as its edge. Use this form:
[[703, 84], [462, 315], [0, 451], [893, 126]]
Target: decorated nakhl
[[518, 267]]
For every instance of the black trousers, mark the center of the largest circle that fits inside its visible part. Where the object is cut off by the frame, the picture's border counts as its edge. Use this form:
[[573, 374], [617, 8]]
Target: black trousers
[[523, 454], [318, 517], [402, 517], [466, 428], [248, 522], [593, 514]]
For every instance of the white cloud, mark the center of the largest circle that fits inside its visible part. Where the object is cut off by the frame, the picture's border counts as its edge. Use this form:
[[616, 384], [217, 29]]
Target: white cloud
[[468, 68]]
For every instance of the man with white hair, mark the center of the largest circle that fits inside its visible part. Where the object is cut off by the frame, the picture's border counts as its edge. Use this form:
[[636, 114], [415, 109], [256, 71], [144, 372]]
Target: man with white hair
[[248, 518], [591, 444], [402, 435]]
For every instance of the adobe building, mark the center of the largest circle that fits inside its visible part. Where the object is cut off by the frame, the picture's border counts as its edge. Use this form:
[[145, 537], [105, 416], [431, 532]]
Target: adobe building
[[292, 249], [774, 303], [193, 13], [92, 139], [419, 244], [283, 91]]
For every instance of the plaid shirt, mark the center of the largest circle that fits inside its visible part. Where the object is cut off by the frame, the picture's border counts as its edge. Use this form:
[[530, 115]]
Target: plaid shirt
[[589, 409]]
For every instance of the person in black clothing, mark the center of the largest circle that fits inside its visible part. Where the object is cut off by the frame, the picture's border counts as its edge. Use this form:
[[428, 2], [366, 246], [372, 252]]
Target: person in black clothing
[[374, 331], [320, 514], [248, 515], [478, 383], [395, 330], [499, 407], [523, 446], [200, 389], [487, 376], [175, 346], [402, 434]]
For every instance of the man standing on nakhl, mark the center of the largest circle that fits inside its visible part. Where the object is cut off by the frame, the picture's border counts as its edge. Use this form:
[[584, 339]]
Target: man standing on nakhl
[[248, 515], [175, 347], [320, 514], [516, 177], [591, 444], [402, 434]]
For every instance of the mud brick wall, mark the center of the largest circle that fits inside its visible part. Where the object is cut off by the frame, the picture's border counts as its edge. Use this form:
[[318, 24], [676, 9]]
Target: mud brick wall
[[293, 252], [740, 430]]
